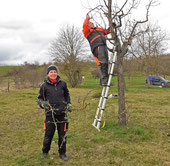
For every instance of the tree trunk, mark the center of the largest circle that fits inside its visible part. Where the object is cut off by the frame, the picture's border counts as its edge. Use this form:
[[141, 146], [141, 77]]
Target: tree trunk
[[121, 88]]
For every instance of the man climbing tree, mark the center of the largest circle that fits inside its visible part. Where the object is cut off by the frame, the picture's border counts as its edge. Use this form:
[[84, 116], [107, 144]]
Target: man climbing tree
[[97, 41]]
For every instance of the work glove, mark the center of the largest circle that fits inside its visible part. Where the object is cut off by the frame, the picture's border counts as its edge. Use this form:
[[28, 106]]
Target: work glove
[[46, 105], [68, 107]]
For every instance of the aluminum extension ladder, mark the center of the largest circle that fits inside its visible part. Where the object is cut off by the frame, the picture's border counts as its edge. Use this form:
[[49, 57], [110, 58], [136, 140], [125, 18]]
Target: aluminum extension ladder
[[104, 95]]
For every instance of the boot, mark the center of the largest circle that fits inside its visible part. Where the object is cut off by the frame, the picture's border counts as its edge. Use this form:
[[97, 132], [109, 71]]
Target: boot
[[44, 155], [63, 157]]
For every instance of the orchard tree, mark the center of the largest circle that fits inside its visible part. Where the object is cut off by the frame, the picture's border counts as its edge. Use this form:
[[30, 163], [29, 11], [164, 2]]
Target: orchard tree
[[67, 49], [148, 47], [120, 16]]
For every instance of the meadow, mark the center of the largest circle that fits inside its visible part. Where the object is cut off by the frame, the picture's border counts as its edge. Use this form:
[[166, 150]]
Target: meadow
[[5, 69], [143, 142]]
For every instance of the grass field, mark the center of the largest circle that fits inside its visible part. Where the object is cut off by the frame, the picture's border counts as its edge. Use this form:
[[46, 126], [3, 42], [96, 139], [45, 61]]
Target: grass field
[[141, 143], [5, 69]]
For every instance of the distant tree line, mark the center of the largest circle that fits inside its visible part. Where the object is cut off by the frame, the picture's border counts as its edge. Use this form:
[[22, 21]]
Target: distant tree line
[[32, 75], [26, 76], [70, 53], [158, 65]]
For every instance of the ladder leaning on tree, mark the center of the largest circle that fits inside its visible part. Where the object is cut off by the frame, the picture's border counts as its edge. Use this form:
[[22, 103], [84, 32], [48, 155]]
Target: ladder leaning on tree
[[104, 95]]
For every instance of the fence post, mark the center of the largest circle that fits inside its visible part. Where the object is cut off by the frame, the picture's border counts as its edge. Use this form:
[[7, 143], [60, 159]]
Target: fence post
[[8, 84]]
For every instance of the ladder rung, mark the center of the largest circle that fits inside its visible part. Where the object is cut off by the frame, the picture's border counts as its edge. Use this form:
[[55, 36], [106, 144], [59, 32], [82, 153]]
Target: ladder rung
[[112, 62], [101, 109], [98, 119], [107, 86], [103, 96]]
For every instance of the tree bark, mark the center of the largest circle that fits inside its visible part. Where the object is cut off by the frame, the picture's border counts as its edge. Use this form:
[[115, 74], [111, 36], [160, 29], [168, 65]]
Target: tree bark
[[121, 86]]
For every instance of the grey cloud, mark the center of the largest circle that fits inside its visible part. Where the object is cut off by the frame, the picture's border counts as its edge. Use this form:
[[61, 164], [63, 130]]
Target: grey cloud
[[15, 25], [18, 52], [23, 41], [8, 54]]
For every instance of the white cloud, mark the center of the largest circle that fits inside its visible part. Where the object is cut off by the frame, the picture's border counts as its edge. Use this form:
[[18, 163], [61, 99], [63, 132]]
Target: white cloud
[[28, 26], [20, 42]]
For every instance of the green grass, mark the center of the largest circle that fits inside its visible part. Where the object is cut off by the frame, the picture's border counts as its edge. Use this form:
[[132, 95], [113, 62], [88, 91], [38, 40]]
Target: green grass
[[133, 134], [5, 69], [90, 83], [141, 143]]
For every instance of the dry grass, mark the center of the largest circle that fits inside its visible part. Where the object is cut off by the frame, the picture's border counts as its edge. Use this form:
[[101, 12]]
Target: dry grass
[[141, 143]]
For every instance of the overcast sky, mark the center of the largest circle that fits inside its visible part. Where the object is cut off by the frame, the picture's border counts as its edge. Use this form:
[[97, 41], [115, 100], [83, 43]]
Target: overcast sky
[[28, 26]]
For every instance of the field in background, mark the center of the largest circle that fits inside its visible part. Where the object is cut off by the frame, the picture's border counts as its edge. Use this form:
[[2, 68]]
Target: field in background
[[5, 69], [141, 143]]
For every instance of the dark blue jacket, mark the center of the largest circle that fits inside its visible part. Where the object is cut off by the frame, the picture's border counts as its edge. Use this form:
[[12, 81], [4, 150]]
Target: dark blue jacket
[[56, 94]]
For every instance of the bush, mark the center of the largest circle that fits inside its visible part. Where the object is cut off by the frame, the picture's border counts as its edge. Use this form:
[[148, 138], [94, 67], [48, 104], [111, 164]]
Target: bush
[[95, 74]]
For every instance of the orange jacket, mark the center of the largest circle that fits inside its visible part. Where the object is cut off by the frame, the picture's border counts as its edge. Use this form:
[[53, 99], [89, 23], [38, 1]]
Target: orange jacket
[[95, 36], [87, 30]]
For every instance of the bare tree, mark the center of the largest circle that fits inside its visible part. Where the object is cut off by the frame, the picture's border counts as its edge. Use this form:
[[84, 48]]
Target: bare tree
[[124, 28], [149, 46], [68, 48]]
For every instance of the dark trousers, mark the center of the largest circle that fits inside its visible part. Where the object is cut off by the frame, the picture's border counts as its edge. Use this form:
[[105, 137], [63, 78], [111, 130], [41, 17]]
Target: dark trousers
[[50, 127], [101, 55]]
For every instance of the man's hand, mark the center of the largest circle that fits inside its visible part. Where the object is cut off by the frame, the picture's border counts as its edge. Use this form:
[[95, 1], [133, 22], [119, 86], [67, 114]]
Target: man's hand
[[68, 107], [87, 16], [46, 105]]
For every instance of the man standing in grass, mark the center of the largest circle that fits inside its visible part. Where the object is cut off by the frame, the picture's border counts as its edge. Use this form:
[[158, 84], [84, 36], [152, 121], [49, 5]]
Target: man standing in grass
[[54, 97]]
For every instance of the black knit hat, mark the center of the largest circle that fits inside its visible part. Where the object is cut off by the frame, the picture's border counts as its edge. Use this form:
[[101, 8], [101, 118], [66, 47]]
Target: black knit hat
[[52, 67]]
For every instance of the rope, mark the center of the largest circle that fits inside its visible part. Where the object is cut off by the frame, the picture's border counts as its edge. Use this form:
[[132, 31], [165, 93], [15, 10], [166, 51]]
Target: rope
[[104, 122]]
